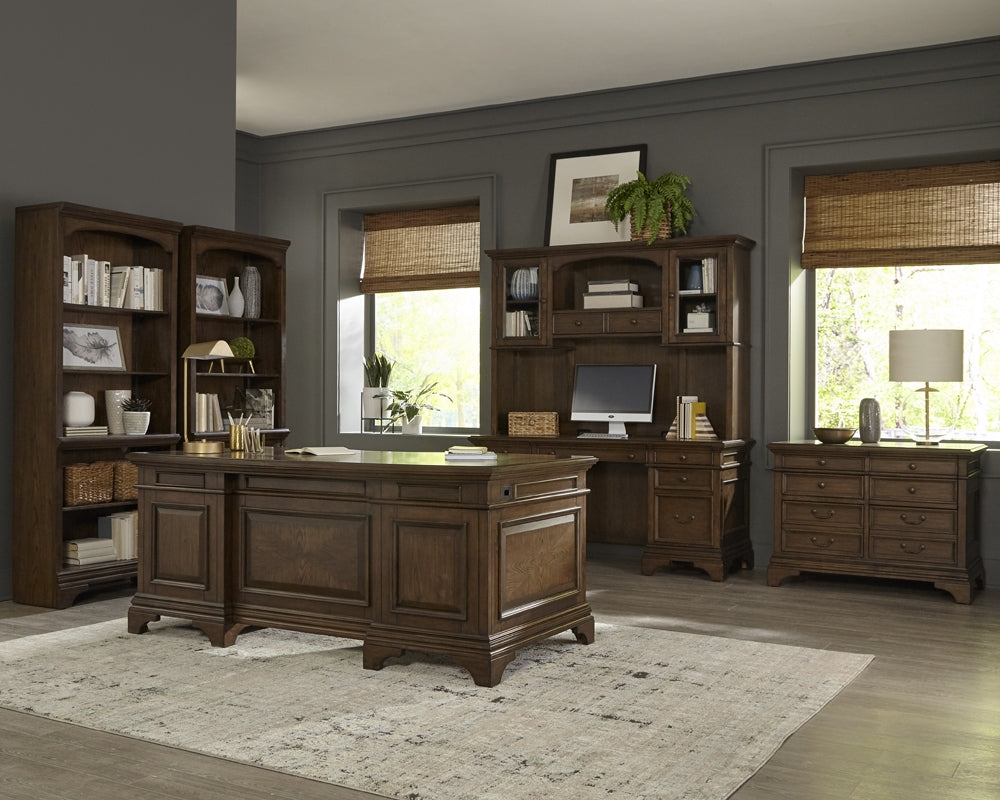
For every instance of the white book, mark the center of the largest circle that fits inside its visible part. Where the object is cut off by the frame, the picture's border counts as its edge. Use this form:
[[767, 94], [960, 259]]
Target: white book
[[119, 285], [622, 285], [67, 279], [104, 283], [612, 300], [80, 290], [136, 299]]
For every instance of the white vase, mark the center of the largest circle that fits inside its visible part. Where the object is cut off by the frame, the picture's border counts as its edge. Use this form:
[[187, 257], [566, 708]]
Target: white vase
[[113, 399], [414, 426], [236, 302], [373, 399], [78, 409], [136, 422]]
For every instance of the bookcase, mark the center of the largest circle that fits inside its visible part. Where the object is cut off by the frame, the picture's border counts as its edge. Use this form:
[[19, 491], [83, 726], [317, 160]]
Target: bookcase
[[223, 255], [115, 348], [685, 501]]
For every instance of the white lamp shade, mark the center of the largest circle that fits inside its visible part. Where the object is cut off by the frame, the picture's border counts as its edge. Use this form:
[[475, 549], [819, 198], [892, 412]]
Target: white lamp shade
[[926, 356]]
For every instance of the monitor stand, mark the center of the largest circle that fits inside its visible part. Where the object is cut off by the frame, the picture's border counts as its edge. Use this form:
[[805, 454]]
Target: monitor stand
[[616, 430]]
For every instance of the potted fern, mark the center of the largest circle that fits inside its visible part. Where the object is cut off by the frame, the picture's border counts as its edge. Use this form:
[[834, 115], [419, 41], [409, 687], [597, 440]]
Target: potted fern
[[658, 207], [378, 369]]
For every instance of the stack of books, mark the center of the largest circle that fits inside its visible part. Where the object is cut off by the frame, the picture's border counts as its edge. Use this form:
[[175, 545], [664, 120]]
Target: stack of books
[[78, 552], [121, 530], [620, 293], [691, 421], [90, 281], [469, 453], [86, 430]]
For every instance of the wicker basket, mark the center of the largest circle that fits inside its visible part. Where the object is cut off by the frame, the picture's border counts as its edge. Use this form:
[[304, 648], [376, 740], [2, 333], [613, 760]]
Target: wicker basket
[[664, 232], [533, 423], [88, 483], [126, 477]]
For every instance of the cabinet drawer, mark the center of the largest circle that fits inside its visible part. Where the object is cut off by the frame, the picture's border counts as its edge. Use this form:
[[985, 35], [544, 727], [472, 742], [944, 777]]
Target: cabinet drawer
[[913, 520], [577, 323], [682, 478], [633, 321], [836, 543], [924, 491], [683, 520], [821, 485], [910, 550], [912, 466], [827, 516], [820, 460], [684, 457]]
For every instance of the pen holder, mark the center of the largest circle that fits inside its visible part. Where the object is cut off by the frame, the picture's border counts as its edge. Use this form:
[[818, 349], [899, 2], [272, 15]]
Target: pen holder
[[237, 437], [245, 438]]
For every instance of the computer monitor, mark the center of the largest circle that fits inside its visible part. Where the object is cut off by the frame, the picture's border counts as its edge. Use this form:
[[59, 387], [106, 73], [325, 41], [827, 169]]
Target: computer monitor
[[613, 393]]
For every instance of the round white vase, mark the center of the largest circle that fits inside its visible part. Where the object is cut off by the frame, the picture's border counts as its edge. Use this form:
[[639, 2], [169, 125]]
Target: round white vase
[[78, 409]]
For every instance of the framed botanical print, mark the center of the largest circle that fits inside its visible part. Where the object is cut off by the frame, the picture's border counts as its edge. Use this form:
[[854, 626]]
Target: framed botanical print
[[579, 183], [92, 347]]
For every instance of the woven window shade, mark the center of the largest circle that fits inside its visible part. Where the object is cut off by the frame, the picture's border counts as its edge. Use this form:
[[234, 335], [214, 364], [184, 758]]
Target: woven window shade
[[904, 217], [431, 248]]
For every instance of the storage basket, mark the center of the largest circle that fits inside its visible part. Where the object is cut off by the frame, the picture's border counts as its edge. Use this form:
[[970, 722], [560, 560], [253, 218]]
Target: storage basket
[[533, 423], [88, 483], [126, 476]]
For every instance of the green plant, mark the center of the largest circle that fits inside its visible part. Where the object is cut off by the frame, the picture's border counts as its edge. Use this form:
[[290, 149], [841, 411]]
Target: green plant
[[405, 404], [136, 404], [648, 201], [378, 368], [242, 347]]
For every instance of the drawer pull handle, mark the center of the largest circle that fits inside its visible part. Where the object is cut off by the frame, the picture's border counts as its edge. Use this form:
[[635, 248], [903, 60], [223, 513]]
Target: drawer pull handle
[[683, 458], [821, 484], [912, 490], [905, 548], [912, 467], [818, 543], [821, 462], [631, 456], [633, 322], [815, 513], [688, 521], [921, 521], [683, 479], [577, 322]]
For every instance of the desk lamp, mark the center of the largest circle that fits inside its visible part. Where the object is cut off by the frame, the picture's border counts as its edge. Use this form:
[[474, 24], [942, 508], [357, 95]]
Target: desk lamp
[[202, 351], [924, 356]]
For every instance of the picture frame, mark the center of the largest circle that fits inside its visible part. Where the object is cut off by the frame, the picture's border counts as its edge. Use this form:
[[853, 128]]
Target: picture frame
[[92, 347], [579, 183], [211, 295]]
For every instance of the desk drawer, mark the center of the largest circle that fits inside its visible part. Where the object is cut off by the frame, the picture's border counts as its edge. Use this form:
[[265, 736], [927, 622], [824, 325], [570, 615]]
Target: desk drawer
[[682, 478], [913, 550], [577, 323], [847, 517], [913, 521], [820, 460], [911, 466], [634, 321], [911, 491], [682, 520], [819, 485], [835, 543]]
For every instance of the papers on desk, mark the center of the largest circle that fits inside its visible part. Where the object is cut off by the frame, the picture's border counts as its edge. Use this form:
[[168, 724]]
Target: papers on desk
[[469, 453], [321, 451]]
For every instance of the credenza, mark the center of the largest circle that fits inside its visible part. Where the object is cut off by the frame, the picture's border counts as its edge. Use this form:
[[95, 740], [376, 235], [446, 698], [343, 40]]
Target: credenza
[[890, 510], [405, 551]]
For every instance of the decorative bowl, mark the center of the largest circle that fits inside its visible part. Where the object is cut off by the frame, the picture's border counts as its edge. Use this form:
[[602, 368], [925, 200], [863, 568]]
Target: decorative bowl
[[834, 435]]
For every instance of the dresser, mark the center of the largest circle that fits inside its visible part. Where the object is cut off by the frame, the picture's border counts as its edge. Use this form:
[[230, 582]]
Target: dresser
[[888, 510]]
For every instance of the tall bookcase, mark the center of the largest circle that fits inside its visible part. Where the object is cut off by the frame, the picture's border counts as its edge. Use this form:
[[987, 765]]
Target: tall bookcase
[[44, 234], [223, 255]]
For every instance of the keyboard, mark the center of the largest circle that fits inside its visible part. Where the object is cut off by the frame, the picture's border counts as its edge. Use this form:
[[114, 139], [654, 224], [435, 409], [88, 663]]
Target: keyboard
[[587, 435]]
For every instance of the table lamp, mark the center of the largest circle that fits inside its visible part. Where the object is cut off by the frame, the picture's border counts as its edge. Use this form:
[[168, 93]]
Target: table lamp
[[202, 351], [924, 356]]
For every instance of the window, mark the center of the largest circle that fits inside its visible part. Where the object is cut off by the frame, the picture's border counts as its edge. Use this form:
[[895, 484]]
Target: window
[[421, 268], [861, 228]]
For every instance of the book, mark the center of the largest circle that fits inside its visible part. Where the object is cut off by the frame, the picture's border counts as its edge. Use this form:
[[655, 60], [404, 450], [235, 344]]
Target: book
[[322, 451], [79, 562], [67, 279], [620, 285], [467, 448], [88, 546], [487, 456], [86, 430], [612, 300]]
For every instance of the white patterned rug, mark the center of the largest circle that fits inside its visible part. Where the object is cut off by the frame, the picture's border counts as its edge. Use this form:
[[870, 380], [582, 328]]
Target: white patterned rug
[[639, 713]]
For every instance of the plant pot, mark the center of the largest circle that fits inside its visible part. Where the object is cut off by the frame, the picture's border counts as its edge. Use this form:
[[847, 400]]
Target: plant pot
[[373, 402], [663, 233], [413, 426], [136, 422]]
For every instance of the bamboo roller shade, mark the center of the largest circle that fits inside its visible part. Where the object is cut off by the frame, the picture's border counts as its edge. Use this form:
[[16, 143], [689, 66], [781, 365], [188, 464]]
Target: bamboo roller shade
[[904, 217], [432, 248]]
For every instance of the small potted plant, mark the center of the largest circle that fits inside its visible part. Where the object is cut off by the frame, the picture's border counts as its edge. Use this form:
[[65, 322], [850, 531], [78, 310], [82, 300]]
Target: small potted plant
[[135, 415], [658, 208], [406, 405], [378, 369], [243, 350]]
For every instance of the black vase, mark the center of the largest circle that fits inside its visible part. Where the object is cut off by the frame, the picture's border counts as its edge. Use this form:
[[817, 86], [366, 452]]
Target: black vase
[[869, 420]]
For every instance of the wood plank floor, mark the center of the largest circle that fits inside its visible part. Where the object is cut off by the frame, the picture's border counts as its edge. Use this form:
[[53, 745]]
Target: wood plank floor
[[923, 721]]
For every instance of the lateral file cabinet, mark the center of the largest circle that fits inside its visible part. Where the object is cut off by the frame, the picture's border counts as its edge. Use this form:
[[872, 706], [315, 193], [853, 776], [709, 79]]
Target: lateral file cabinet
[[891, 510]]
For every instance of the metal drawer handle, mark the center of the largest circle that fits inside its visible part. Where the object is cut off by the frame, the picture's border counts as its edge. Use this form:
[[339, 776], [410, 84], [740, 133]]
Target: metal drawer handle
[[633, 322], [815, 513], [911, 466], [818, 543], [822, 462], [577, 322], [821, 484], [923, 519], [683, 479], [631, 456], [683, 458], [912, 490], [688, 521], [905, 548]]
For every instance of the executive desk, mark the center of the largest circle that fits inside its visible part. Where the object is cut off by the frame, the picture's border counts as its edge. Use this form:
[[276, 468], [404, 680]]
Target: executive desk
[[471, 560]]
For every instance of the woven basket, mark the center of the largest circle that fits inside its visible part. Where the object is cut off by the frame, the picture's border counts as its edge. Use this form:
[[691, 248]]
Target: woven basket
[[126, 476], [663, 233], [88, 483], [533, 423]]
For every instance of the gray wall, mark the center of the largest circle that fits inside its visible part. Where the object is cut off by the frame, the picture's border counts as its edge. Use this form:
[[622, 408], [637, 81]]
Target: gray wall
[[744, 139], [115, 104]]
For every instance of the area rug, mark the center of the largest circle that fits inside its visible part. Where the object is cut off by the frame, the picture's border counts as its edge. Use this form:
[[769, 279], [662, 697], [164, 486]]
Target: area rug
[[638, 714]]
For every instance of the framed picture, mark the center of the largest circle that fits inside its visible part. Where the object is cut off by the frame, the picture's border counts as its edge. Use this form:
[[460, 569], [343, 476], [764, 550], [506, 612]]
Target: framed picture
[[578, 186], [210, 295], [97, 347]]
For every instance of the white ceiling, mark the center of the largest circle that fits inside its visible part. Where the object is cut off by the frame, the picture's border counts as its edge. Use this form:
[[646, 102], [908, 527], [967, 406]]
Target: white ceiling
[[310, 64]]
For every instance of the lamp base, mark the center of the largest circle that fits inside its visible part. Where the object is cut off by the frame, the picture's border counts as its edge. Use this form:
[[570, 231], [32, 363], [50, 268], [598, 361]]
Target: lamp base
[[203, 447]]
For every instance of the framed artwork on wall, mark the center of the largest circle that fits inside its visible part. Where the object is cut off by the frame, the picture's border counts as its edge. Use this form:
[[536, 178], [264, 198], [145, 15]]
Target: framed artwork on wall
[[210, 296], [96, 347], [579, 183]]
